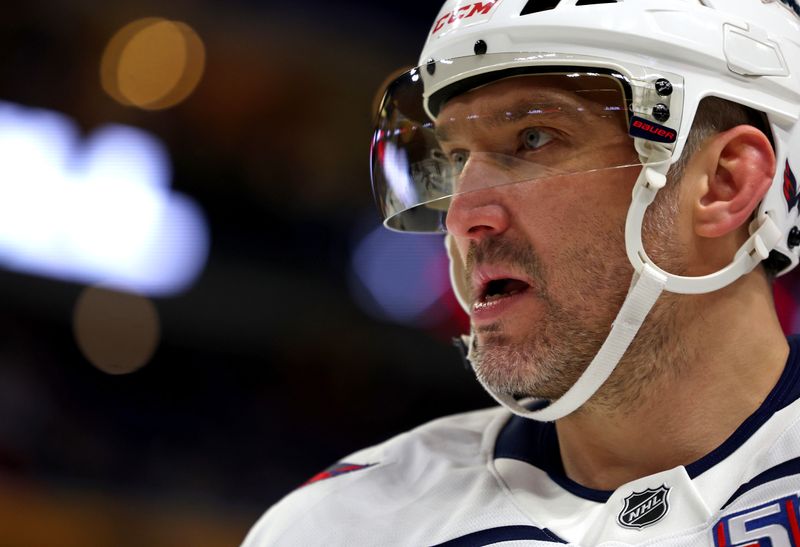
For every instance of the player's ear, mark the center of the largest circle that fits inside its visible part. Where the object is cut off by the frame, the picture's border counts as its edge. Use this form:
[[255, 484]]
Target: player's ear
[[735, 169]]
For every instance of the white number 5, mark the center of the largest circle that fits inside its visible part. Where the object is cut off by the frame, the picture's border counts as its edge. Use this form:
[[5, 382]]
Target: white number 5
[[739, 534]]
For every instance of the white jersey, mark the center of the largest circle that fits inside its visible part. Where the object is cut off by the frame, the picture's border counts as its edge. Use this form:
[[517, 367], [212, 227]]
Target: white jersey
[[488, 477]]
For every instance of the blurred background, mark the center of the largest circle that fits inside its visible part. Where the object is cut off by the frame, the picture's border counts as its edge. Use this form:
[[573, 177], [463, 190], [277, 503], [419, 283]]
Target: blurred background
[[199, 310]]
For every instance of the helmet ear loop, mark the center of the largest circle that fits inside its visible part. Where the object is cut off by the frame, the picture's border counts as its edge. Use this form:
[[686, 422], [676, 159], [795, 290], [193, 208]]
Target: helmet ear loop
[[764, 231], [647, 284]]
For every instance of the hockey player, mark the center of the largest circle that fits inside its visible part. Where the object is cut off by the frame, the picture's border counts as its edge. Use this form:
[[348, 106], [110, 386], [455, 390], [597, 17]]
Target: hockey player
[[616, 182]]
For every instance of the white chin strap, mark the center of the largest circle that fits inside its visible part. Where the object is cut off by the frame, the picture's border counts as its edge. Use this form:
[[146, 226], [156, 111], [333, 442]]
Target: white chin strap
[[649, 281]]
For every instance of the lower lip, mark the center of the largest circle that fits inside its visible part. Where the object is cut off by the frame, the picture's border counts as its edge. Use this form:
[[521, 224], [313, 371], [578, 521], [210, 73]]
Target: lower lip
[[488, 312]]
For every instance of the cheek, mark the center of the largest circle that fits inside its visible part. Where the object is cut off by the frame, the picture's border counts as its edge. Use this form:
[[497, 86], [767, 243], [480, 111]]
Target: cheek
[[575, 211], [577, 228]]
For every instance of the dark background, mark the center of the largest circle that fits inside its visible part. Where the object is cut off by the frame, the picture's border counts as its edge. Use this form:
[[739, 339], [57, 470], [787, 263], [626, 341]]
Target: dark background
[[268, 369], [276, 362]]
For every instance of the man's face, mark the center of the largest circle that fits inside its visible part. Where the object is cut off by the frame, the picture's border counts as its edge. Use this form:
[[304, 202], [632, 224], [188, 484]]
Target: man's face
[[538, 219]]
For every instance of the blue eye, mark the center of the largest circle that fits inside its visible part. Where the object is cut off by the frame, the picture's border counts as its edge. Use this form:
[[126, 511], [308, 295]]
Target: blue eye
[[458, 159], [533, 138]]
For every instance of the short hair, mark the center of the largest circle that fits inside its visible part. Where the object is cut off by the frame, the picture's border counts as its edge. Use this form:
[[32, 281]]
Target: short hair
[[715, 115]]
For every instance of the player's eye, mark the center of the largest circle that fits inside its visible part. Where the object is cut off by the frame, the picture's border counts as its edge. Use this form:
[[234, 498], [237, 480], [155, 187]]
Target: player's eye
[[534, 137], [458, 159]]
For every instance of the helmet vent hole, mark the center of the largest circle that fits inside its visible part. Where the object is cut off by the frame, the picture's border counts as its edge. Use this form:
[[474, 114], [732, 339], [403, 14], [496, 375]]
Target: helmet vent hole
[[593, 2], [535, 6]]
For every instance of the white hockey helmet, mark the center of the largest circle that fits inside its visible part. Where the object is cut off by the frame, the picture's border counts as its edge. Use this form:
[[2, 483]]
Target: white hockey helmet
[[645, 63]]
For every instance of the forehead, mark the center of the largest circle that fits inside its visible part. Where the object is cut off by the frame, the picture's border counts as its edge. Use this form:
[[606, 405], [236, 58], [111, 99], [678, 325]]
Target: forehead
[[562, 96]]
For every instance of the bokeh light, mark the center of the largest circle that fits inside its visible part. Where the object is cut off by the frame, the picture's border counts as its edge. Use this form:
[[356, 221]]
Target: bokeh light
[[94, 210], [117, 332], [401, 278], [152, 63]]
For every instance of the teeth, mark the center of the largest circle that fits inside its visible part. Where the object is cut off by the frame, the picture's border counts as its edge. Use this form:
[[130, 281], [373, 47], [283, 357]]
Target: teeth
[[493, 297]]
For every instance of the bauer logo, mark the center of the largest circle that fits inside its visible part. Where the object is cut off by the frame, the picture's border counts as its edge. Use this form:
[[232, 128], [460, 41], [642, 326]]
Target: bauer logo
[[644, 508], [461, 14], [651, 131], [774, 524]]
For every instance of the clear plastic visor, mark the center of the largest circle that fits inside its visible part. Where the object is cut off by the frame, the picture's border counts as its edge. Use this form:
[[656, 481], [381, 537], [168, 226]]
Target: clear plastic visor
[[523, 128]]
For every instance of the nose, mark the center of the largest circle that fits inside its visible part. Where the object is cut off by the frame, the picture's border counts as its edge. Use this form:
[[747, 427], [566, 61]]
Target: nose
[[477, 212]]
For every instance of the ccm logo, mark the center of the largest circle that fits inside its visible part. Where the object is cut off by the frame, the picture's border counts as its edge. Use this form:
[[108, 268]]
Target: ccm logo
[[464, 12], [660, 131]]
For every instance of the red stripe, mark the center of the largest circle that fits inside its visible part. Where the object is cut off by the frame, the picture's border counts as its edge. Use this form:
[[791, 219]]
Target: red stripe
[[720, 535], [318, 477], [793, 521], [346, 468], [787, 185], [334, 471]]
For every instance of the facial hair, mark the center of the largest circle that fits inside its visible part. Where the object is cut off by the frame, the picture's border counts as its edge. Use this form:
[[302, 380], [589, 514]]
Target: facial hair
[[552, 354], [556, 350]]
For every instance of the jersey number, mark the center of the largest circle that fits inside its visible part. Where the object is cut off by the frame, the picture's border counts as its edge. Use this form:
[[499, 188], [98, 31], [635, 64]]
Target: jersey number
[[774, 524]]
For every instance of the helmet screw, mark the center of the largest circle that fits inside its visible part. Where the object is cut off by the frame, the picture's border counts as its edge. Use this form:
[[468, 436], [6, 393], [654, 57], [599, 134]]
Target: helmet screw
[[431, 67], [794, 237], [663, 87], [480, 47], [661, 112]]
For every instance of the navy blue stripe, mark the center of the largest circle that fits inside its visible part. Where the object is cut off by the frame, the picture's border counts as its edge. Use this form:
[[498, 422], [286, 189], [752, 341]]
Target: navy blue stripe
[[591, 494], [536, 443], [786, 469], [504, 533], [785, 392]]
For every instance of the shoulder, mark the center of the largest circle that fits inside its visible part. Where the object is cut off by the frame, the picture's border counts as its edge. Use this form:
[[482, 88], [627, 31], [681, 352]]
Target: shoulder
[[371, 485]]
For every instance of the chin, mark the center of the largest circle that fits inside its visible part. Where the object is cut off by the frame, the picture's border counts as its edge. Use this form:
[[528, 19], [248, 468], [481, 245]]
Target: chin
[[517, 369]]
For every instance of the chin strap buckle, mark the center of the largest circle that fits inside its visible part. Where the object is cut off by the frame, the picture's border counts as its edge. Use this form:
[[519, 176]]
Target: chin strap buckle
[[655, 180], [765, 235]]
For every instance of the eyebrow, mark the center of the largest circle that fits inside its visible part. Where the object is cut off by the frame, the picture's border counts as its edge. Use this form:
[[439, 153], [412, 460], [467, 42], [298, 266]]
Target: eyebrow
[[520, 110]]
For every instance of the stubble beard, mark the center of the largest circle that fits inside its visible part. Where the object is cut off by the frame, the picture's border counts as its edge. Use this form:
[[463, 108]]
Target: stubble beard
[[553, 354]]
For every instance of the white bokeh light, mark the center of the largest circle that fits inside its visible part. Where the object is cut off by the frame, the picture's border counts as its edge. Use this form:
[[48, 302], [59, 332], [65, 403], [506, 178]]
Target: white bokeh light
[[98, 210]]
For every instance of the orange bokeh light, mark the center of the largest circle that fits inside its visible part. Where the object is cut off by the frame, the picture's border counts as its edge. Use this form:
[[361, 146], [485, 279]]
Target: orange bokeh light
[[152, 63], [117, 332]]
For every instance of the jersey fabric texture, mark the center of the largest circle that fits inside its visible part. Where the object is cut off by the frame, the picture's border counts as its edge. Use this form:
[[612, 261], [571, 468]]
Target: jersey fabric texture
[[490, 478]]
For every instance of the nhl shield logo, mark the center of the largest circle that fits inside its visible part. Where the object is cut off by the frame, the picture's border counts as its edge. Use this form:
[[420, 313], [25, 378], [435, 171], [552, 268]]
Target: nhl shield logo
[[644, 508]]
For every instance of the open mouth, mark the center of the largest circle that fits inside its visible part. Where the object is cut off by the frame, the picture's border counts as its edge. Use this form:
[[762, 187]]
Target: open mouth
[[497, 289]]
